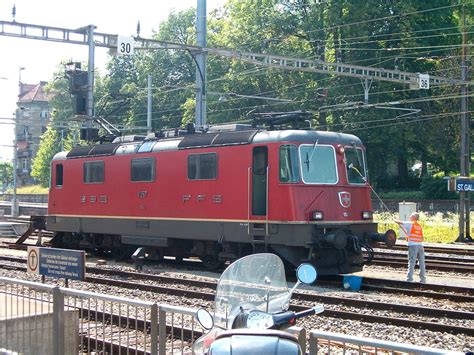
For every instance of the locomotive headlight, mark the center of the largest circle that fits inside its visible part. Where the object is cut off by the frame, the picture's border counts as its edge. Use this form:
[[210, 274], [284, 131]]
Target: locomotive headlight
[[367, 214], [317, 216]]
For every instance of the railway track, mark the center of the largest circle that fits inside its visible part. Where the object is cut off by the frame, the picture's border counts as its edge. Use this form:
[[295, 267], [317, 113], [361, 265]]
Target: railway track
[[428, 256], [396, 260], [399, 261], [302, 300], [435, 250], [434, 291]]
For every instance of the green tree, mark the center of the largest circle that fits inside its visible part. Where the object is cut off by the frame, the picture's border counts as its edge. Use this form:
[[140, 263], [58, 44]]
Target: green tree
[[409, 35], [60, 132], [123, 91], [394, 34], [6, 175]]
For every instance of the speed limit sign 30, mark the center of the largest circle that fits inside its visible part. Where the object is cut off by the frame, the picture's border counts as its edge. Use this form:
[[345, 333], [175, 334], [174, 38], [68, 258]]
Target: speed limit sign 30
[[125, 45]]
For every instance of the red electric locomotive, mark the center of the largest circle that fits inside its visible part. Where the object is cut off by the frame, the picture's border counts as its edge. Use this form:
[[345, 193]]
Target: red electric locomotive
[[219, 195]]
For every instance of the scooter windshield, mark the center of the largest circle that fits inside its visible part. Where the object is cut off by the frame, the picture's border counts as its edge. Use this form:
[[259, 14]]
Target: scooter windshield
[[255, 282]]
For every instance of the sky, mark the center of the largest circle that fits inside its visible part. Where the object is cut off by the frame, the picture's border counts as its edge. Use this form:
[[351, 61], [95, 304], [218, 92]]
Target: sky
[[41, 58]]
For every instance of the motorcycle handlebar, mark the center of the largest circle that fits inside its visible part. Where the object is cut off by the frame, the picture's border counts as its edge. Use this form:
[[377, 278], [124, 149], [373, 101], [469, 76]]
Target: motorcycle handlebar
[[309, 312]]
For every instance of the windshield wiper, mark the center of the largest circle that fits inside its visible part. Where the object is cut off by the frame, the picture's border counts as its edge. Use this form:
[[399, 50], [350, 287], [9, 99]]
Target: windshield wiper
[[312, 152]]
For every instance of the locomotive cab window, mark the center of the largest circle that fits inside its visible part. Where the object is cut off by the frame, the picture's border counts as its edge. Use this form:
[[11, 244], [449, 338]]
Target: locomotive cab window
[[318, 164], [289, 164], [355, 165], [143, 169], [93, 172], [59, 175], [202, 166]]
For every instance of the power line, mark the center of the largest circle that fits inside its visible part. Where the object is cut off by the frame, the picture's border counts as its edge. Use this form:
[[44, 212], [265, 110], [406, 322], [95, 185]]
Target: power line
[[422, 119], [404, 38], [348, 39], [366, 21]]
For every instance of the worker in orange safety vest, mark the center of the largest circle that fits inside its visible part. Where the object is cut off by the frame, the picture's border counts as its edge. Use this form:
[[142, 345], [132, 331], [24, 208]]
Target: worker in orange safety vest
[[414, 236]]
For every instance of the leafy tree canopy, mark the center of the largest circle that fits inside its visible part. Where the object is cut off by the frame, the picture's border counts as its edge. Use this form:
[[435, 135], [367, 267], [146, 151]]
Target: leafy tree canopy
[[409, 35]]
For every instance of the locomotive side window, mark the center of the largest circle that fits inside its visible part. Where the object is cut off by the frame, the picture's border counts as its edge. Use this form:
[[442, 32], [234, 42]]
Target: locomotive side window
[[93, 172], [355, 165], [59, 175], [202, 166], [289, 164], [318, 164], [260, 160], [143, 169]]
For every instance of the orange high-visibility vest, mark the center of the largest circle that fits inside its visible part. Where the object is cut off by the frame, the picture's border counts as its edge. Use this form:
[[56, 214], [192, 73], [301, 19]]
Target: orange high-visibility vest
[[415, 234]]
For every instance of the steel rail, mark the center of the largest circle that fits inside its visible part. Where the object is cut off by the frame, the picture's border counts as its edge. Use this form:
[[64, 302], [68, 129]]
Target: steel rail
[[437, 327], [434, 312], [428, 257], [432, 249], [453, 293], [440, 266]]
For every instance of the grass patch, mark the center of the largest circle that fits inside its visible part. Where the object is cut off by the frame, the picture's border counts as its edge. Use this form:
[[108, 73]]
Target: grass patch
[[437, 228], [400, 195], [30, 190]]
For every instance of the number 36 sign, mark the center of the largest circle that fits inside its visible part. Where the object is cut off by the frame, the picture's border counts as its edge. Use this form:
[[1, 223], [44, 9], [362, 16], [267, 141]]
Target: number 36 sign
[[125, 45], [424, 81]]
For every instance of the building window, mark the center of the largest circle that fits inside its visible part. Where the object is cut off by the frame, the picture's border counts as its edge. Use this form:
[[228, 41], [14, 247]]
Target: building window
[[93, 172], [44, 114], [59, 174], [24, 165], [143, 169], [202, 166]]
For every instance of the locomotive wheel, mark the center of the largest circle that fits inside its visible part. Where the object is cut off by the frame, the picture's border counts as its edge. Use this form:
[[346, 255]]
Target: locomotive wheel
[[70, 241], [57, 241], [211, 262]]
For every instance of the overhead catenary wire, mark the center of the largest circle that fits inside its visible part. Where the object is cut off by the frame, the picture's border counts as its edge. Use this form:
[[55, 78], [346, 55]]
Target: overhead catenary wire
[[405, 101], [256, 106], [139, 96], [383, 18], [392, 34], [422, 119]]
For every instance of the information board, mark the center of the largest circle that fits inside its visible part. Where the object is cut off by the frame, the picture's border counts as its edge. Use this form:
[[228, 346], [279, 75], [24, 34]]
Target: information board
[[60, 263]]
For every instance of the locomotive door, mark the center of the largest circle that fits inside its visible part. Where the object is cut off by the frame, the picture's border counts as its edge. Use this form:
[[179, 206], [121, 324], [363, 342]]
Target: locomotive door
[[259, 181]]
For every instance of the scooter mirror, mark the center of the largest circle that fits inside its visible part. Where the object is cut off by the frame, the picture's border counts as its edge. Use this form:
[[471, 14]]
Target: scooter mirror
[[205, 318], [306, 273]]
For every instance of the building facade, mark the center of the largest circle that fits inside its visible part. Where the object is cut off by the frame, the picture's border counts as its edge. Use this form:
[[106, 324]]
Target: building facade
[[32, 118]]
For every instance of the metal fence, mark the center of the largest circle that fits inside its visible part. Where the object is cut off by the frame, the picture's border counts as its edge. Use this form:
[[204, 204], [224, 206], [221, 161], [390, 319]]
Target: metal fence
[[428, 206], [31, 198], [44, 319], [333, 343]]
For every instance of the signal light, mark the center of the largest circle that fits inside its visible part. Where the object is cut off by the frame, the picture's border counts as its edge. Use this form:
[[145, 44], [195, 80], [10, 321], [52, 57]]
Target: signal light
[[317, 216], [340, 149], [367, 214]]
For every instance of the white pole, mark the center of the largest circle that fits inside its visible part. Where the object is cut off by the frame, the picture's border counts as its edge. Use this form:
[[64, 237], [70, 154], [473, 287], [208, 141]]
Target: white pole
[[148, 116], [90, 77], [15, 210], [201, 64]]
